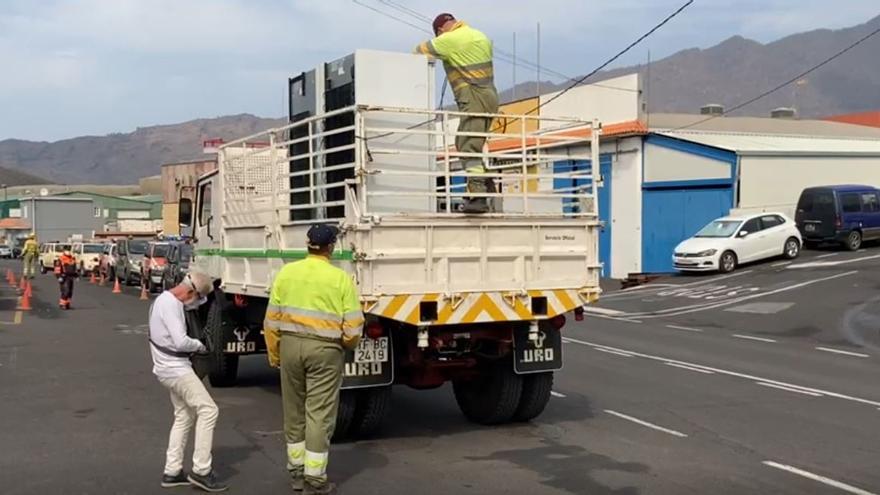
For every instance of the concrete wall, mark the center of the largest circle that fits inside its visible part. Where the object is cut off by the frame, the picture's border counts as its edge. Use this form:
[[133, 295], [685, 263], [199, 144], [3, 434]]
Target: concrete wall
[[612, 101], [626, 206], [774, 183], [181, 177], [667, 165]]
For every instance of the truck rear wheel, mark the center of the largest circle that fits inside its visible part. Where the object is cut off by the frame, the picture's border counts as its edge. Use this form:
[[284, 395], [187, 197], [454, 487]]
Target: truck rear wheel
[[370, 410], [492, 397], [535, 396], [345, 414], [224, 367]]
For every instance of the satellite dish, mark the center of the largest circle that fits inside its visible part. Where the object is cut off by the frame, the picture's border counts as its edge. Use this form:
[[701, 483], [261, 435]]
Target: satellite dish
[[44, 192]]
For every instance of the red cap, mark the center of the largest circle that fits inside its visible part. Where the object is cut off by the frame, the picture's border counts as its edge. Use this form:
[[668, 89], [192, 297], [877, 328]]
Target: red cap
[[440, 20]]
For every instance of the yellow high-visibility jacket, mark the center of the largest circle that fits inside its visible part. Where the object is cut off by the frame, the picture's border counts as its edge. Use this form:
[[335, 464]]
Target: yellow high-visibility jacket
[[466, 54], [314, 299], [31, 248]]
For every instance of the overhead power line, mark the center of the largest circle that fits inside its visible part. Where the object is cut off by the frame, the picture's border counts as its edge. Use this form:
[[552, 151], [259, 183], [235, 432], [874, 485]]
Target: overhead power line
[[786, 83]]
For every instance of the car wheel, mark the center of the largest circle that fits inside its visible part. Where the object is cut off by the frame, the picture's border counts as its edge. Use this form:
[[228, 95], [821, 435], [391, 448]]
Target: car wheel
[[853, 241], [792, 248], [727, 262]]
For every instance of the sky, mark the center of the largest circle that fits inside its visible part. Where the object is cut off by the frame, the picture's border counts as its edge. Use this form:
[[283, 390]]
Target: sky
[[94, 67]]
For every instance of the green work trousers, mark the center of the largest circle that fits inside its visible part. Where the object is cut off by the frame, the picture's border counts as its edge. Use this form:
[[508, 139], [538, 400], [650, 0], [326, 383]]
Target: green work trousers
[[30, 265], [475, 100], [311, 374]]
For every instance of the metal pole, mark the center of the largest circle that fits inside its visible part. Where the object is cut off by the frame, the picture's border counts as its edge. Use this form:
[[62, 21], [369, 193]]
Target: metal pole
[[538, 65], [514, 66], [595, 165]]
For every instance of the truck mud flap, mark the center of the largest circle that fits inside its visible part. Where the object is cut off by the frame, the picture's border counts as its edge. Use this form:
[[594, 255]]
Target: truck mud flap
[[540, 356], [371, 364]]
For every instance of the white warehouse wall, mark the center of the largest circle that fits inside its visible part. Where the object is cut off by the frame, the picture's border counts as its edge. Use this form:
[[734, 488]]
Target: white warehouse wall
[[626, 206], [774, 183], [611, 101], [666, 165]]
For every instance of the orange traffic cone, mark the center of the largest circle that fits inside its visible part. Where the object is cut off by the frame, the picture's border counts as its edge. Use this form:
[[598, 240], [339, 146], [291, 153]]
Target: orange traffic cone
[[144, 295], [116, 288], [24, 302], [29, 291], [92, 279], [23, 284], [12, 281]]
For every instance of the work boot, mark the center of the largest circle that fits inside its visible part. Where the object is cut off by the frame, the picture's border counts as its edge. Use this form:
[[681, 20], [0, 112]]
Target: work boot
[[172, 480], [475, 205], [297, 481], [324, 489], [207, 482]]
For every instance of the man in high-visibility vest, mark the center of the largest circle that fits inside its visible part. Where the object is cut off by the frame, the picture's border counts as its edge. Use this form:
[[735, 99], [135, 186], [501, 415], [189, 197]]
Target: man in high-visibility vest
[[467, 57], [30, 254], [314, 313]]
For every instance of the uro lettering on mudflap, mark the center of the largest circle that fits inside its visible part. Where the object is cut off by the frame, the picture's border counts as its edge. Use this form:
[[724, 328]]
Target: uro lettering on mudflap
[[371, 364], [543, 354]]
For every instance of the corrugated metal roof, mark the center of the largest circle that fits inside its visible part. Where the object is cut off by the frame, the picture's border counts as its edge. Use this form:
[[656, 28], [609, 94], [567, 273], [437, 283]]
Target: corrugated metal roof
[[765, 144], [665, 122]]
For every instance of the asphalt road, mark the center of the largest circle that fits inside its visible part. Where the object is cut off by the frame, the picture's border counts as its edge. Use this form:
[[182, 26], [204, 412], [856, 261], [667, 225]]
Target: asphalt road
[[760, 382]]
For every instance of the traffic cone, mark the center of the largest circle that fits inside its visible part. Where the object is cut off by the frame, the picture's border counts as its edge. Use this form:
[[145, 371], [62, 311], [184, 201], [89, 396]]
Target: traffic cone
[[23, 284], [29, 290], [144, 295], [116, 288], [12, 281], [92, 279], [24, 302]]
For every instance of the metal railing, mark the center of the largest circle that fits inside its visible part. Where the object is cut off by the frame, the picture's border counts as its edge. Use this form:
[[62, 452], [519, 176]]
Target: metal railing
[[402, 161]]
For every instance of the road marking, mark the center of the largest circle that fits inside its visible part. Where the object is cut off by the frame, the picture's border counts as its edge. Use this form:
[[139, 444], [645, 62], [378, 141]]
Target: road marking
[[616, 353], [821, 479], [602, 311], [782, 263], [789, 389], [557, 394], [689, 368], [845, 353], [720, 371], [686, 329], [17, 319], [816, 264], [827, 255], [749, 337], [647, 424]]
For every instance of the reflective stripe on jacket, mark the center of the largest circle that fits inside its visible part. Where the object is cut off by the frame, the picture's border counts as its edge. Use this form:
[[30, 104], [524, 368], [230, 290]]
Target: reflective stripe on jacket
[[466, 54], [314, 299]]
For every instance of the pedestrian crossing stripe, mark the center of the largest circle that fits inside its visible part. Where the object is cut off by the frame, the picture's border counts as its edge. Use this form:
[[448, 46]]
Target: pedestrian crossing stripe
[[480, 307]]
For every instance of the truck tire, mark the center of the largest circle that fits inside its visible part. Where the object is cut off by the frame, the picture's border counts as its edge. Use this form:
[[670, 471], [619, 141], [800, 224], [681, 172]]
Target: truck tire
[[370, 410], [492, 397], [535, 396], [345, 414], [224, 367]]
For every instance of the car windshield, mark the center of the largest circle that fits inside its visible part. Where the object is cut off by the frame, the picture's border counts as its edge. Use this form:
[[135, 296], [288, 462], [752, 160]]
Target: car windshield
[[93, 248], [60, 248], [138, 247], [160, 250], [719, 228]]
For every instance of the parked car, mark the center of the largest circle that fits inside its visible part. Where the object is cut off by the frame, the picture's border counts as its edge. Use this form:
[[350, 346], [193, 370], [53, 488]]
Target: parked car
[[5, 252], [179, 257], [846, 215], [154, 265], [49, 254], [107, 262], [730, 241], [87, 255], [130, 259]]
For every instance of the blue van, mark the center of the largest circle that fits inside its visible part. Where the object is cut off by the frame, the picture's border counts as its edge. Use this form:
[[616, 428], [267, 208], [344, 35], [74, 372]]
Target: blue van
[[846, 215]]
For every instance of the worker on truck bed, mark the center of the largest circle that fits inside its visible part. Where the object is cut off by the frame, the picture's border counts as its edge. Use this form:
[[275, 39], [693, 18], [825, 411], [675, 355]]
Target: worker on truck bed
[[314, 312], [30, 253], [65, 270], [467, 57]]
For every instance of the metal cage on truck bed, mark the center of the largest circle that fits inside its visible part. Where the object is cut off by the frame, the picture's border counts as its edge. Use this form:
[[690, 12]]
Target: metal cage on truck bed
[[392, 179]]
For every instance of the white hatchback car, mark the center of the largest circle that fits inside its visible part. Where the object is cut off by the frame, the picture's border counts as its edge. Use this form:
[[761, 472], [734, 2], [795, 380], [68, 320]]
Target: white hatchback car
[[731, 241]]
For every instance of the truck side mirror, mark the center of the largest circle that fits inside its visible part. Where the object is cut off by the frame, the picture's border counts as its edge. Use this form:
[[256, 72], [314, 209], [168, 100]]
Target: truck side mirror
[[184, 212]]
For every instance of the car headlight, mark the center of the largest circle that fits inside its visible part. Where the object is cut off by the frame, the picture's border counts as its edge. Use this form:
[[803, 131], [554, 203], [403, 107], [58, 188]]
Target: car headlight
[[708, 252]]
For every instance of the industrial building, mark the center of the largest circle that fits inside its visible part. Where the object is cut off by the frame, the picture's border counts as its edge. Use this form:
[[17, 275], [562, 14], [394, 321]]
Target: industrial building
[[60, 218], [179, 181]]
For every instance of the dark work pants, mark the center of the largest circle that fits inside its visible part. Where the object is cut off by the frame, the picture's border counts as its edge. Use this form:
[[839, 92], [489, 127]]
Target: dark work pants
[[66, 289]]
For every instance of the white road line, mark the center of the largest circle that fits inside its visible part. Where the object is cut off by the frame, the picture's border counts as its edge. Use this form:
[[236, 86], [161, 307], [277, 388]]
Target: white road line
[[789, 389], [689, 368], [557, 394], [616, 353], [647, 424], [602, 311], [686, 329], [845, 353], [821, 479], [827, 255], [815, 264], [781, 264], [749, 337], [720, 371]]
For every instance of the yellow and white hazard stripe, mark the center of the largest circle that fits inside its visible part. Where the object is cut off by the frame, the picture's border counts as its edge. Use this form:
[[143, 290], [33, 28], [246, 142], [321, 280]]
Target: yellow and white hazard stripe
[[480, 307]]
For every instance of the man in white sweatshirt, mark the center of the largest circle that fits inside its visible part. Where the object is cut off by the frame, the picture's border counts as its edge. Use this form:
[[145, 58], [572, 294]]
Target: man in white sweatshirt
[[171, 349]]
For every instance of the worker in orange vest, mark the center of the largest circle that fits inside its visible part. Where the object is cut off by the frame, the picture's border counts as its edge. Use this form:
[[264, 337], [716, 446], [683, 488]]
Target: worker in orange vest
[[65, 270]]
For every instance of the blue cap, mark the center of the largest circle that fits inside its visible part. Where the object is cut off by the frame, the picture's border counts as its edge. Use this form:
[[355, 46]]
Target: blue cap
[[322, 235]]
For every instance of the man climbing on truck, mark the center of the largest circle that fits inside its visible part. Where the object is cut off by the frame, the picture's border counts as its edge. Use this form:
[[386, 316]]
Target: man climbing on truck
[[467, 57]]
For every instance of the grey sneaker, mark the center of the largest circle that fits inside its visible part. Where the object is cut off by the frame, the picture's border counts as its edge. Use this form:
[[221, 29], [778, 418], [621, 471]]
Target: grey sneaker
[[324, 489], [207, 482], [173, 480]]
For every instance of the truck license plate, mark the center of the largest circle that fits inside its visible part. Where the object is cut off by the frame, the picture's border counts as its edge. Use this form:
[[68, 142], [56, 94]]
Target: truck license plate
[[372, 350]]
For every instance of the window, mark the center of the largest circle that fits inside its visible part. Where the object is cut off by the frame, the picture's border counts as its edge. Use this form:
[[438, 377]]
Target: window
[[850, 203], [816, 201], [205, 204], [97, 212], [771, 221], [719, 228], [753, 225], [870, 203]]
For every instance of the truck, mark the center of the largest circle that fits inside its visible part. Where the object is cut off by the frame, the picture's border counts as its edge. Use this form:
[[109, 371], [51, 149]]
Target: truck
[[476, 300]]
